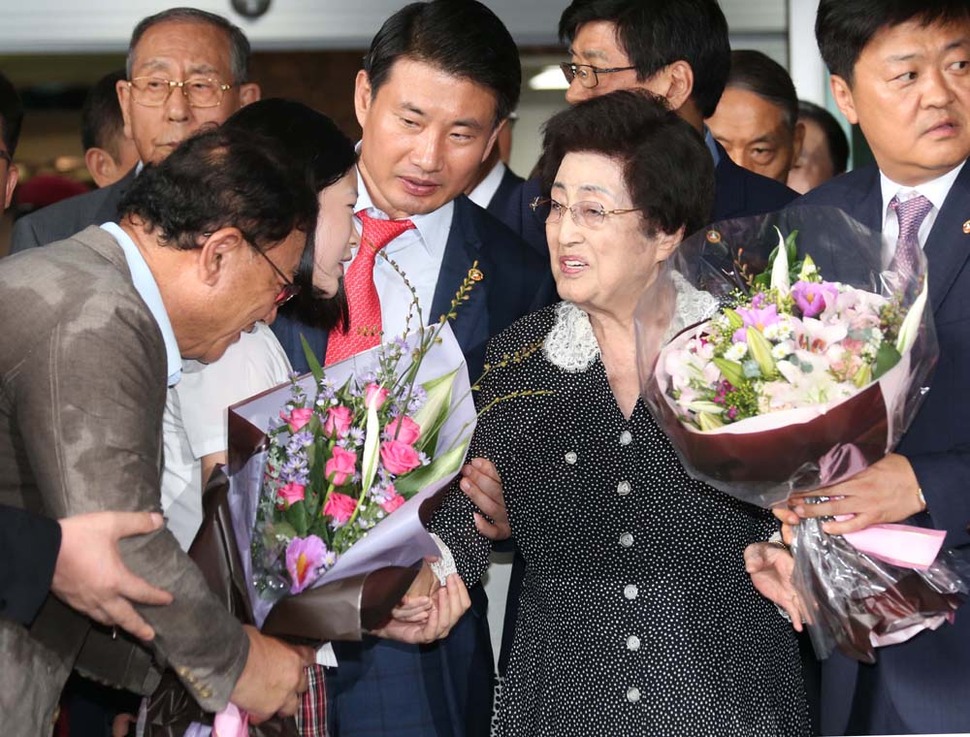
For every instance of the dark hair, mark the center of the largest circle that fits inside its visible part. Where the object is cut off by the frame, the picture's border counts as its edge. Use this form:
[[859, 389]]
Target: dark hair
[[101, 119], [656, 33], [11, 115], [462, 38], [843, 28], [326, 154], [765, 77], [835, 138], [221, 178], [666, 166], [239, 50]]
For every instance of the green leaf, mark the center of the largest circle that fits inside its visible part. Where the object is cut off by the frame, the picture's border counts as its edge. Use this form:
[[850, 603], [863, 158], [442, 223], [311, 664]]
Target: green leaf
[[760, 350], [296, 516], [315, 368], [441, 467], [702, 407], [730, 370], [886, 357]]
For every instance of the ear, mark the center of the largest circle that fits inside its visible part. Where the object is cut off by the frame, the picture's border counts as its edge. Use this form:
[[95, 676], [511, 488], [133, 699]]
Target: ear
[[678, 83], [219, 250], [667, 243], [798, 140], [124, 100], [13, 176], [362, 97], [101, 166], [248, 93], [842, 94], [493, 138]]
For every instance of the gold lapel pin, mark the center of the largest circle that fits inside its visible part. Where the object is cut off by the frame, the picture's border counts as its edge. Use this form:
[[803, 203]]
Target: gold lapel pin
[[966, 227], [475, 274], [713, 236]]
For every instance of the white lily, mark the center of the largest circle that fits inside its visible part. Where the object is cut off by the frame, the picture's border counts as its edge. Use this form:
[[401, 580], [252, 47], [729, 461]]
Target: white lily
[[911, 323], [779, 269]]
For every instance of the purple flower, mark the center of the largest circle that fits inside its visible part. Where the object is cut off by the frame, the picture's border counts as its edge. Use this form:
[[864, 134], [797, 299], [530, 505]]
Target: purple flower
[[304, 559], [759, 318], [811, 297]]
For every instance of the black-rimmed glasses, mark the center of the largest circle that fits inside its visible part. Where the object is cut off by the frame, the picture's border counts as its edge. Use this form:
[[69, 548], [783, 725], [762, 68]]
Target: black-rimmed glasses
[[198, 91], [587, 214], [586, 73], [289, 289]]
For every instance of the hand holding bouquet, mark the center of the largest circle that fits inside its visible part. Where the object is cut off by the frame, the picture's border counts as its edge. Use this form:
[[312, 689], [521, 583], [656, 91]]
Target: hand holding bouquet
[[806, 368]]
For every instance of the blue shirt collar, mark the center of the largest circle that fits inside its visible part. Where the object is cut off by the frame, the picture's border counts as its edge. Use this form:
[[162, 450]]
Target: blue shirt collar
[[147, 288]]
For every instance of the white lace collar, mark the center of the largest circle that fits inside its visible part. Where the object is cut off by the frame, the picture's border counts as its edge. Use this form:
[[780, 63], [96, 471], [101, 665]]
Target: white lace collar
[[571, 344]]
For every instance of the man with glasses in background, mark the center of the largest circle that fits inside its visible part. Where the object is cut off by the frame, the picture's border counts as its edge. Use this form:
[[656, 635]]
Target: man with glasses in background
[[187, 69], [677, 50]]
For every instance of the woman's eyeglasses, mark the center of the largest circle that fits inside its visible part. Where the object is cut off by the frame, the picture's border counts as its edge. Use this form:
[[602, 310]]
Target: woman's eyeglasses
[[587, 214]]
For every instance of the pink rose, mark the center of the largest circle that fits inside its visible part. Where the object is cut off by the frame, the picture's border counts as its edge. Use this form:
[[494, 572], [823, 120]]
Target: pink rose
[[340, 466], [339, 507], [338, 422], [290, 494], [399, 457], [297, 418], [403, 428], [375, 393], [393, 501]]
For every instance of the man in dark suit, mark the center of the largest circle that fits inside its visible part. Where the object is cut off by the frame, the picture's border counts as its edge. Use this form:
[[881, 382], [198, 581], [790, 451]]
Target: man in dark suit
[[679, 50], [438, 84], [899, 70], [112, 312], [166, 50]]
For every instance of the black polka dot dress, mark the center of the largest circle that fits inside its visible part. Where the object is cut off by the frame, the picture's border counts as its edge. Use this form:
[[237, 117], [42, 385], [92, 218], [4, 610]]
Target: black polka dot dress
[[636, 614]]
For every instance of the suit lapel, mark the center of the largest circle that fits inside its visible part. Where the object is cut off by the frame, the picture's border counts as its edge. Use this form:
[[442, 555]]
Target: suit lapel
[[948, 246], [463, 248]]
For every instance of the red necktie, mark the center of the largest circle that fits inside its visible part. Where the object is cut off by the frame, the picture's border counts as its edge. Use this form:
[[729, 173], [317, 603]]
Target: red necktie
[[365, 305]]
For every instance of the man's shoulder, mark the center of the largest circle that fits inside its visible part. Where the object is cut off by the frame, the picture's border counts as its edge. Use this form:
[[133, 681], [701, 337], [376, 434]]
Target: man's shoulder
[[740, 192], [65, 218], [851, 185]]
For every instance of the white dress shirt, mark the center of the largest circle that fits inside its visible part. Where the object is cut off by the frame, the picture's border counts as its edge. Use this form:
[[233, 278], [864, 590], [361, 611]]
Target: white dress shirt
[[935, 191], [418, 253]]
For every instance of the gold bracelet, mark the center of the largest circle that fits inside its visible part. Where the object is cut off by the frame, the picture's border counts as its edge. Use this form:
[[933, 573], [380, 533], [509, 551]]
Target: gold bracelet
[[921, 498]]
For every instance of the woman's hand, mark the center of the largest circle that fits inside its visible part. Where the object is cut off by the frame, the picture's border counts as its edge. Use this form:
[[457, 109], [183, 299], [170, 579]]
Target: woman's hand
[[450, 602], [770, 566]]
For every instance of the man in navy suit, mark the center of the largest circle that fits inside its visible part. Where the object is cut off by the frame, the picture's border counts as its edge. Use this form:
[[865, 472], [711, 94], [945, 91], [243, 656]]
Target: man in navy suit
[[438, 84], [901, 70]]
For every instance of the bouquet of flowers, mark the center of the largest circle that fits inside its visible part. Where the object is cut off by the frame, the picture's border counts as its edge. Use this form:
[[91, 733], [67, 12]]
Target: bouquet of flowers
[[333, 476], [787, 363]]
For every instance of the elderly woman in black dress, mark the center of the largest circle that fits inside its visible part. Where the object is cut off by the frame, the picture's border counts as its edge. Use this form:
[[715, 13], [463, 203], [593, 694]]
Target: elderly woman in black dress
[[636, 615]]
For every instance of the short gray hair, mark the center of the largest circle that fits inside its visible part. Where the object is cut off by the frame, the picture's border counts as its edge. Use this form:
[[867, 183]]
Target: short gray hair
[[239, 49]]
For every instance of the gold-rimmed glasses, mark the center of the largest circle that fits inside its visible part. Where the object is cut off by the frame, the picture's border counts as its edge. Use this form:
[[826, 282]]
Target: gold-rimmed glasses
[[199, 91]]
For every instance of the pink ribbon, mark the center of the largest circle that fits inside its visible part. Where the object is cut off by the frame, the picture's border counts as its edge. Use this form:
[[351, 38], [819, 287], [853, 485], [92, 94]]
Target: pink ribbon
[[900, 545], [231, 722]]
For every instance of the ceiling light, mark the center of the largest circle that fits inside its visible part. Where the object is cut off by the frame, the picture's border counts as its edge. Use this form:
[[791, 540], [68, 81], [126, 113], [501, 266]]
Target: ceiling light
[[550, 78]]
